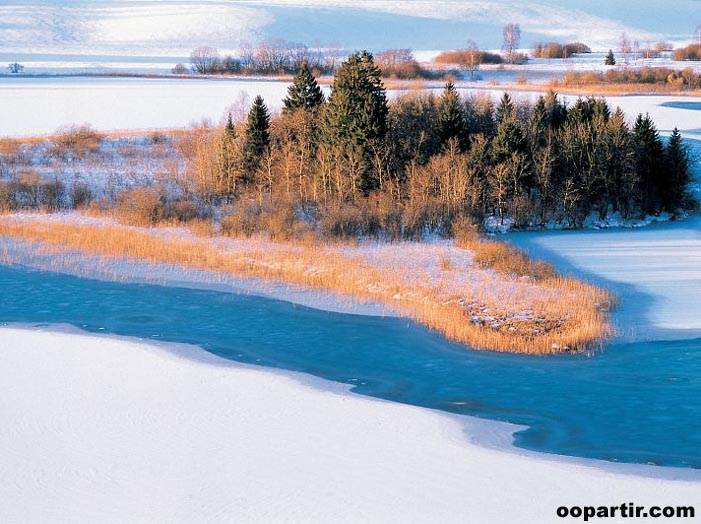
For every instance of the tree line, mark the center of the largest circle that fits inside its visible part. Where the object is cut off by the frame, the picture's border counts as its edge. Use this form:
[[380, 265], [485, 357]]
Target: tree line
[[361, 164]]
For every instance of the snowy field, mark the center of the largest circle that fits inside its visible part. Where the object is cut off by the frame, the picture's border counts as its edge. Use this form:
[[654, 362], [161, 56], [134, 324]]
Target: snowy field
[[33, 106], [655, 270], [105, 439], [173, 28]]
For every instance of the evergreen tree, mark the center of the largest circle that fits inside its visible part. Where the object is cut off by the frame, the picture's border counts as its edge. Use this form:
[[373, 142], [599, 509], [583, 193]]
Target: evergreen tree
[[556, 110], [356, 116], [676, 172], [451, 122], [610, 59], [649, 155], [505, 109], [228, 166], [257, 132], [229, 128], [509, 139], [624, 178], [539, 125], [304, 93]]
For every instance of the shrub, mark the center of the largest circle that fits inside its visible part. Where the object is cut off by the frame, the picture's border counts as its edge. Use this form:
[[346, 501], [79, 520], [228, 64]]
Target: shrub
[[80, 196], [509, 260], [555, 50], [180, 69], [462, 57], [241, 221], [143, 206], [465, 232], [183, 211], [78, 140], [690, 52], [8, 202]]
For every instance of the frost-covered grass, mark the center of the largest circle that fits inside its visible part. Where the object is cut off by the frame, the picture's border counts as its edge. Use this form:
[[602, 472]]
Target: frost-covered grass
[[436, 284], [110, 165]]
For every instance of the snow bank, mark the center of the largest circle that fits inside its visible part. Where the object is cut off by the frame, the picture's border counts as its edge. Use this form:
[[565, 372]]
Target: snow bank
[[655, 270], [108, 430]]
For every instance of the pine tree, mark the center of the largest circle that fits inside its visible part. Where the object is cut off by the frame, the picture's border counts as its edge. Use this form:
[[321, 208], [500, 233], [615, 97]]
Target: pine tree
[[610, 59], [451, 122], [649, 155], [304, 93], [257, 132], [356, 117], [677, 167]]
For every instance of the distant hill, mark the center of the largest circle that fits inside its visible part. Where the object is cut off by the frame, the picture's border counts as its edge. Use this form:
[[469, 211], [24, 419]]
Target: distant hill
[[171, 27]]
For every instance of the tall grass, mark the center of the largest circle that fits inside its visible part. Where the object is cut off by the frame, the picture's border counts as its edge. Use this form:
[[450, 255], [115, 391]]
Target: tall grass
[[495, 310]]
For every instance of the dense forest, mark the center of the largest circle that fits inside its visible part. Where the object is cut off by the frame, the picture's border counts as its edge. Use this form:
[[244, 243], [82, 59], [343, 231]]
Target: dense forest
[[357, 164]]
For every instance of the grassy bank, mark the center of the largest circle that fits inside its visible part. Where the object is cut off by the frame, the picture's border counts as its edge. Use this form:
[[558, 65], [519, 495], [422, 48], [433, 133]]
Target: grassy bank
[[482, 294]]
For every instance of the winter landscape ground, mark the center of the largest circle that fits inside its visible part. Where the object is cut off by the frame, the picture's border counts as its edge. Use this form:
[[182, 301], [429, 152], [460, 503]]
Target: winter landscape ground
[[459, 306]]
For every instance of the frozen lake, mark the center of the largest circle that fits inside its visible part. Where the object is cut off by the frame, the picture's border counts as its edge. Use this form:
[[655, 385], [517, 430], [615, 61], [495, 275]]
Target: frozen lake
[[572, 404], [31, 106]]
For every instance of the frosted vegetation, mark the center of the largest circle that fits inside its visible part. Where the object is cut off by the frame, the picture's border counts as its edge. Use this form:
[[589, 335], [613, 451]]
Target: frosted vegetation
[[358, 165]]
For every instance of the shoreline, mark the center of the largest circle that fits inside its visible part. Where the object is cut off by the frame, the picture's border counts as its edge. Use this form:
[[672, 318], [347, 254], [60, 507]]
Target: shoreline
[[485, 433], [456, 462], [444, 289]]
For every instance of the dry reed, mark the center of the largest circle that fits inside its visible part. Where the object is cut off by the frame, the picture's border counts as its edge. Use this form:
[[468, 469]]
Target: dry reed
[[507, 313]]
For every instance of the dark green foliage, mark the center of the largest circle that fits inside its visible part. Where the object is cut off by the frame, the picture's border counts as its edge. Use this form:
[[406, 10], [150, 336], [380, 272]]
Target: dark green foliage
[[505, 109], [229, 128], [451, 122], [556, 110], [257, 132], [424, 161], [677, 172], [356, 117], [610, 59], [509, 140], [304, 93], [649, 159]]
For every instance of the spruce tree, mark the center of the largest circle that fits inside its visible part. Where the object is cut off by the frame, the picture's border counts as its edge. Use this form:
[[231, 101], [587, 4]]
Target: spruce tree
[[622, 169], [229, 129], [304, 93], [257, 132], [610, 59], [677, 166], [451, 122], [556, 110], [649, 155], [505, 109], [356, 116]]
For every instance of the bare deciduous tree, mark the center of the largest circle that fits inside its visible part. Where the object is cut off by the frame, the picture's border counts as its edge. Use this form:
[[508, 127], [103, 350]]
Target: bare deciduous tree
[[624, 46], [512, 39], [204, 60], [473, 58], [697, 34]]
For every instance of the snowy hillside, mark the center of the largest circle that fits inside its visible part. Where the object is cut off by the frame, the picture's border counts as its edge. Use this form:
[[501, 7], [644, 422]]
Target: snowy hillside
[[171, 27]]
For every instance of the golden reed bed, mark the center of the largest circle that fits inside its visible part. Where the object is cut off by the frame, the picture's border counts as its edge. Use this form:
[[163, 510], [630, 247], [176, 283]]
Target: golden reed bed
[[490, 310]]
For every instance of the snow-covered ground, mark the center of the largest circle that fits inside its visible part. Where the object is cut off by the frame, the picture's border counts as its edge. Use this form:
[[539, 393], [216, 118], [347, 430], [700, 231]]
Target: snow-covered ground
[[656, 270], [112, 430], [171, 27], [34, 106]]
